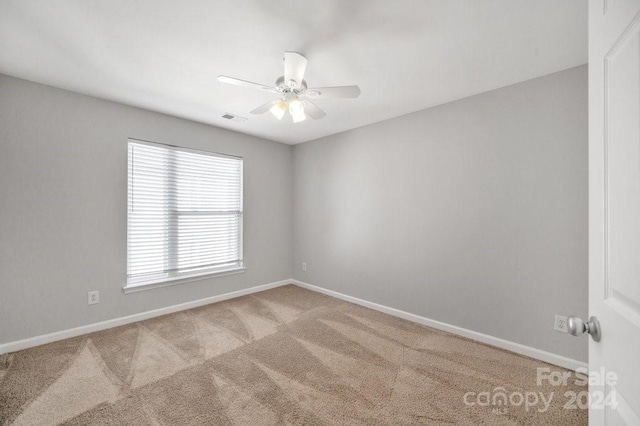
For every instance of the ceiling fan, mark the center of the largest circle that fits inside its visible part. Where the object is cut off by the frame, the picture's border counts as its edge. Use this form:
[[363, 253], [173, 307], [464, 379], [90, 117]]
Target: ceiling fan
[[293, 94]]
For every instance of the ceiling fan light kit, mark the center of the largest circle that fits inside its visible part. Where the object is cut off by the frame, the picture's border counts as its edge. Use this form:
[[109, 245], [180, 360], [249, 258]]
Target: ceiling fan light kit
[[293, 92], [296, 109], [278, 109]]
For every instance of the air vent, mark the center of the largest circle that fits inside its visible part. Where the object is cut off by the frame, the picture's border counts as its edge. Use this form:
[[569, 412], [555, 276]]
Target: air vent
[[234, 117]]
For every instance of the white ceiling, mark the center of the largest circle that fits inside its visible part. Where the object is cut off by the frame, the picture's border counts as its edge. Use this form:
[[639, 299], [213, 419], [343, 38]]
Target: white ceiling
[[406, 55]]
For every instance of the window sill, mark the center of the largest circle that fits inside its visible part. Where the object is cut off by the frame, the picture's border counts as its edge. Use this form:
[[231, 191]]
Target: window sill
[[180, 280]]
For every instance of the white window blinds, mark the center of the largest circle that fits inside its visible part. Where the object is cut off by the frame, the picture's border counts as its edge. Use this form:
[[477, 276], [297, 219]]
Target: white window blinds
[[185, 213]]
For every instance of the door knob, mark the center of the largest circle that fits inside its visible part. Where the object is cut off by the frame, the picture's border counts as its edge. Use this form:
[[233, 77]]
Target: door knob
[[577, 327]]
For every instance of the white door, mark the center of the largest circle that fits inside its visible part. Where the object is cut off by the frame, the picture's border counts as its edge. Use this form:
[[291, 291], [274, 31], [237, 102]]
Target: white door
[[614, 209]]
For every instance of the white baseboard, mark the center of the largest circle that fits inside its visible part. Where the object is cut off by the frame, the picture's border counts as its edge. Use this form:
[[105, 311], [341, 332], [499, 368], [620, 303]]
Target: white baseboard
[[518, 348], [551, 358], [116, 322]]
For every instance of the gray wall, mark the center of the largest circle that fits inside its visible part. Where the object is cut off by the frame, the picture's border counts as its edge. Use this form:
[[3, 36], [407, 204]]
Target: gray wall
[[473, 213], [63, 208]]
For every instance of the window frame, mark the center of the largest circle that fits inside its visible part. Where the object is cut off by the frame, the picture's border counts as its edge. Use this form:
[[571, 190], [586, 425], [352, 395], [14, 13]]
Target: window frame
[[176, 277]]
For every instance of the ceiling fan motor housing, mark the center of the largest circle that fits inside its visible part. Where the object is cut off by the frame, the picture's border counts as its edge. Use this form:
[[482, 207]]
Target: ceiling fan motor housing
[[290, 86]]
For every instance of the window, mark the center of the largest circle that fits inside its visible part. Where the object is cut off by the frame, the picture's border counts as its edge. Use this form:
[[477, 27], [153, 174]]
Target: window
[[184, 214]]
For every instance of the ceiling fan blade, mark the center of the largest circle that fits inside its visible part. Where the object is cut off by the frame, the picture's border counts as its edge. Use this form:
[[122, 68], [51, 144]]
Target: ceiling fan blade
[[294, 67], [243, 83], [312, 110], [333, 92], [266, 107]]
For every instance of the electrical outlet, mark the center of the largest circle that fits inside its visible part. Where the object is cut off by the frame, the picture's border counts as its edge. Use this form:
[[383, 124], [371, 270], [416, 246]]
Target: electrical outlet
[[94, 297], [304, 266], [560, 324]]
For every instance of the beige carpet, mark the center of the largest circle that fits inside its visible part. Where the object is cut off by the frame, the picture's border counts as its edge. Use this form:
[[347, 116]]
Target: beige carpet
[[283, 356]]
